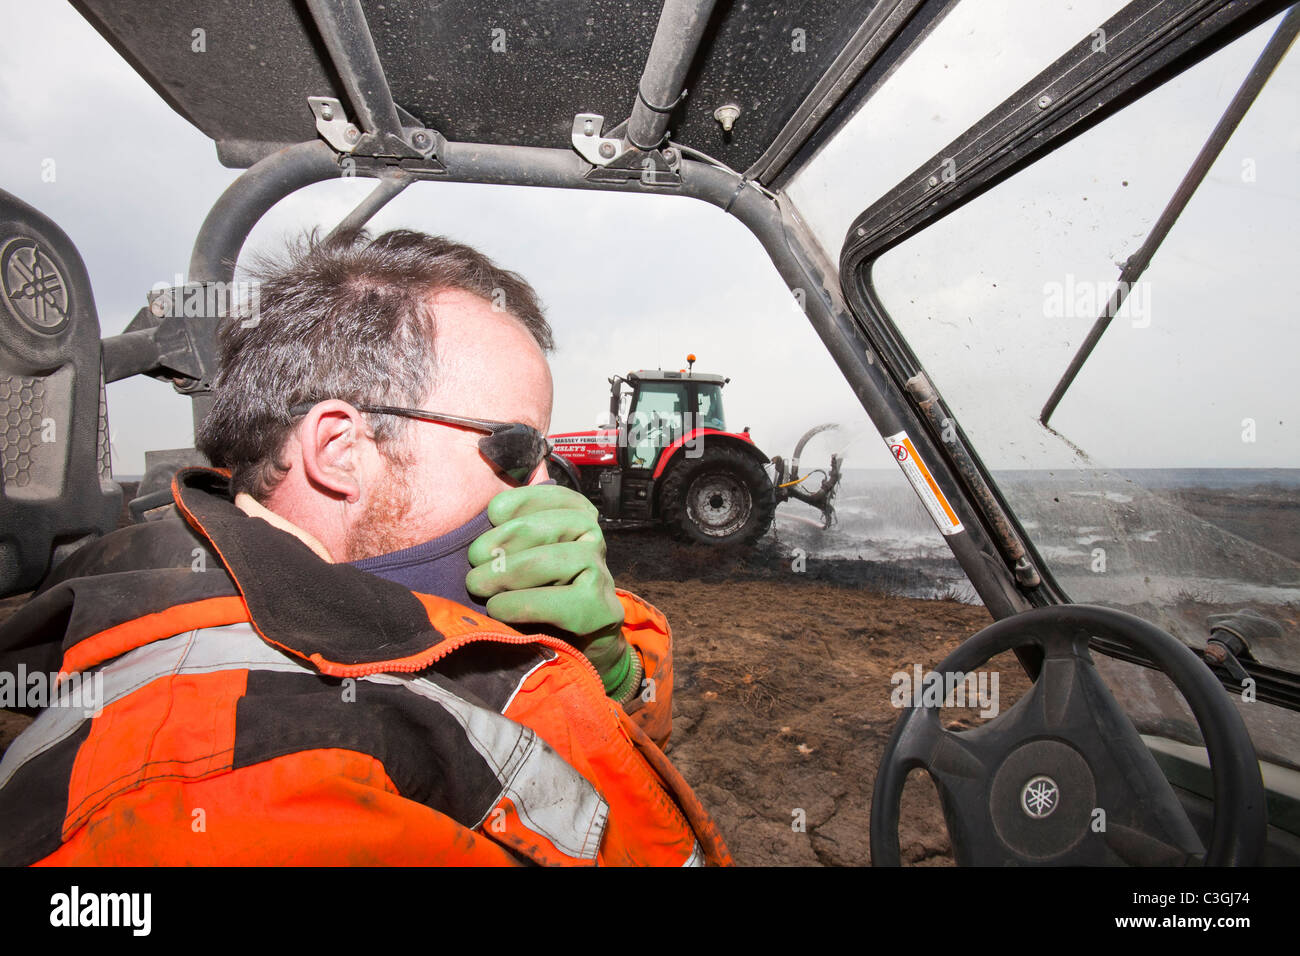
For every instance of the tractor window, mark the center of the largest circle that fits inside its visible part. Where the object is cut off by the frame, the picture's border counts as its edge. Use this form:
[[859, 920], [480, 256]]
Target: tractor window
[[709, 408], [655, 422]]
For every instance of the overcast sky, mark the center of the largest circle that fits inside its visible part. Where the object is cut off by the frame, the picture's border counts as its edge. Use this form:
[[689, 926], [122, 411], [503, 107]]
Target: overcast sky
[[133, 182]]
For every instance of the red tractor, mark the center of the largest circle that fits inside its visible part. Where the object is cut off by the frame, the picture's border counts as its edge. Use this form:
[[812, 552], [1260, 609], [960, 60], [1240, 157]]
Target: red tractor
[[664, 456]]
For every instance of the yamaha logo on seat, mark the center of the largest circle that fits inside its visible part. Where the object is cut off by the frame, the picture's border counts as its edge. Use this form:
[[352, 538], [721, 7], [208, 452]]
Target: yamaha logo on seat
[[32, 287]]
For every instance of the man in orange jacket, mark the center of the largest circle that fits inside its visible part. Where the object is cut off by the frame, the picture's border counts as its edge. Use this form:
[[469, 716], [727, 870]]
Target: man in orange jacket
[[315, 661]]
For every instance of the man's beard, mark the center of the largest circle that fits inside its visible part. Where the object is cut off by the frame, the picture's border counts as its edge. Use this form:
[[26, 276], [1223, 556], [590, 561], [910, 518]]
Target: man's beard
[[381, 528]]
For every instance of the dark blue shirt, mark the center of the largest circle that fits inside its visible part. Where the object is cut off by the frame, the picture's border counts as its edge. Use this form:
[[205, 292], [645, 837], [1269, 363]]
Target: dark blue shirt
[[434, 567]]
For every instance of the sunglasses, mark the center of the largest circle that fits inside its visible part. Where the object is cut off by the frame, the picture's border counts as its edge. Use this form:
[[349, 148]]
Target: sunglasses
[[513, 448]]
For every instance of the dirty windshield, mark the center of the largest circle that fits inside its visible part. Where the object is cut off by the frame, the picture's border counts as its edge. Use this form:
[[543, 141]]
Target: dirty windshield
[[1168, 482]]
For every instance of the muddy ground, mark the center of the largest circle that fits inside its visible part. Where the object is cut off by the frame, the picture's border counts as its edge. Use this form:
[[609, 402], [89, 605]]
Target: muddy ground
[[1263, 514]]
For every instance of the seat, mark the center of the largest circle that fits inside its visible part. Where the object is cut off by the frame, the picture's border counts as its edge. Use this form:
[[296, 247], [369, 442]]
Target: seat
[[56, 487]]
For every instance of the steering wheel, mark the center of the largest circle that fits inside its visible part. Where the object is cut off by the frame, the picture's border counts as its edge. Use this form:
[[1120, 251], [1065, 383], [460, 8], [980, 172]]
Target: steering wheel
[[1062, 777]]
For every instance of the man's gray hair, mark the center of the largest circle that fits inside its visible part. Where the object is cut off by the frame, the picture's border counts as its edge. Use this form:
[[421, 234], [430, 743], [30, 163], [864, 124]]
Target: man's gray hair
[[346, 317]]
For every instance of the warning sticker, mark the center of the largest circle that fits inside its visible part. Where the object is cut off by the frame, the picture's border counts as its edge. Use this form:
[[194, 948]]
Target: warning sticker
[[926, 487]]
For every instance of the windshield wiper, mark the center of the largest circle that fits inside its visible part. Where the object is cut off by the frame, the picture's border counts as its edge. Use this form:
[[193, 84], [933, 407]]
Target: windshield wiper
[[1137, 263]]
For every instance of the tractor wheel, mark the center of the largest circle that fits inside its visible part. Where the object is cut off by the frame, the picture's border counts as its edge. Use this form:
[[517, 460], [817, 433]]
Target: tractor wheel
[[723, 498]]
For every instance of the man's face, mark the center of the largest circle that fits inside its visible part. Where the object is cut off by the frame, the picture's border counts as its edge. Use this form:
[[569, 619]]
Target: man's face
[[488, 367]]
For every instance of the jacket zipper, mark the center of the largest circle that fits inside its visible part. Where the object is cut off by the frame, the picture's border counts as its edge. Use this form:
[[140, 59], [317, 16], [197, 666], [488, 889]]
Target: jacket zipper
[[441, 650]]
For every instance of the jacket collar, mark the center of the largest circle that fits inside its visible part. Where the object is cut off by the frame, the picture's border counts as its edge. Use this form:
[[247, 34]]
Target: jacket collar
[[343, 620]]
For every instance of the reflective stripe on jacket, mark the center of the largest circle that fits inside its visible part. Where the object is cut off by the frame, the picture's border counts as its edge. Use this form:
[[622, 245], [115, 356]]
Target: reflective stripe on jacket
[[257, 705]]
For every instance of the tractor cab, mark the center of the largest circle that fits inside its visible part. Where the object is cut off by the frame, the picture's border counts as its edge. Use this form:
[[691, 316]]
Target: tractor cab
[[664, 408]]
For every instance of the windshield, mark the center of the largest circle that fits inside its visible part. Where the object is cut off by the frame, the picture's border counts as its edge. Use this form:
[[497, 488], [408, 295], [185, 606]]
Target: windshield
[[1169, 485], [656, 421], [1169, 481]]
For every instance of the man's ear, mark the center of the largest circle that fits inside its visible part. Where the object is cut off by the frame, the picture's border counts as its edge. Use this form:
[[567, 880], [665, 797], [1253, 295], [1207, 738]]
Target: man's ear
[[332, 440]]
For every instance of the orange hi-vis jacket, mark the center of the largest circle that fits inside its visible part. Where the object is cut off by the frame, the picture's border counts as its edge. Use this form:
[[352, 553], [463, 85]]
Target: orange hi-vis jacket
[[244, 702]]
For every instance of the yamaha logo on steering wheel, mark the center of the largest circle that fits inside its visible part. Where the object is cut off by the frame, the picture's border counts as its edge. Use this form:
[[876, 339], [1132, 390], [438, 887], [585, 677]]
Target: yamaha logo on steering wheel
[[1039, 797]]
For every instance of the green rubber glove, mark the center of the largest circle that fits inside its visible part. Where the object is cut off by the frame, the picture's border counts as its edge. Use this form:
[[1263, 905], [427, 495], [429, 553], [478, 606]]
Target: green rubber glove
[[543, 562]]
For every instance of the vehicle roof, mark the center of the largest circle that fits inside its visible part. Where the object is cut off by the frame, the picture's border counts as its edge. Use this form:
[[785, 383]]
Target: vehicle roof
[[661, 375], [792, 68]]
